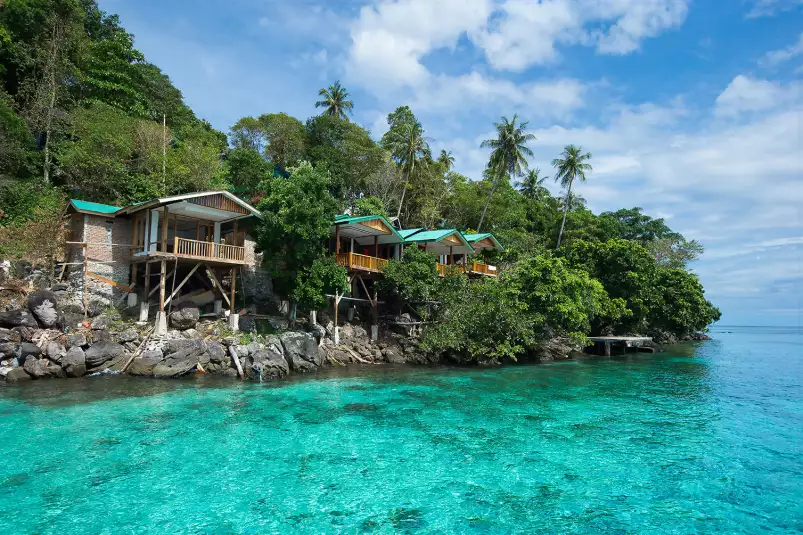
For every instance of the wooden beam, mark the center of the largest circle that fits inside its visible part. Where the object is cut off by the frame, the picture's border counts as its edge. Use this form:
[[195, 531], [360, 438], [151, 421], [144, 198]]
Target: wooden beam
[[337, 239], [183, 282], [233, 286], [162, 279], [147, 280], [217, 285], [367, 293], [101, 278], [153, 291]]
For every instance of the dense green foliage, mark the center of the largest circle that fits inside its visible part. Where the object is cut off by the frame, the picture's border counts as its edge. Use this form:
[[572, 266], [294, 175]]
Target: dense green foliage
[[81, 115]]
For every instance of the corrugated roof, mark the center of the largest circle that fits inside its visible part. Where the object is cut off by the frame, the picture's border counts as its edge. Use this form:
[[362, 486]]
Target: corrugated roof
[[95, 207], [407, 232], [346, 219], [474, 238], [427, 236]]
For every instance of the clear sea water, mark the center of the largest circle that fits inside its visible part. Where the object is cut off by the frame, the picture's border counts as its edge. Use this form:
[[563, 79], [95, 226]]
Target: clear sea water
[[706, 439]]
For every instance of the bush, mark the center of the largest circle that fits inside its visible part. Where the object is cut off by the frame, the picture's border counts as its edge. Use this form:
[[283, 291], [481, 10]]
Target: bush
[[323, 276]]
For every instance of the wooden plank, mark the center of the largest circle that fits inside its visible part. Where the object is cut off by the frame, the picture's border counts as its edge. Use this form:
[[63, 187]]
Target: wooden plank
[[217, 285], [101, 278], [183, 282]]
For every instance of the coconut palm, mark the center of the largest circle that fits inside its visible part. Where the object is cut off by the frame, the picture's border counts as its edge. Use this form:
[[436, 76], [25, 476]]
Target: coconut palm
[[335, 101], [572, 165], [532, 181], [509, 155], [446, 160], [409, 147]]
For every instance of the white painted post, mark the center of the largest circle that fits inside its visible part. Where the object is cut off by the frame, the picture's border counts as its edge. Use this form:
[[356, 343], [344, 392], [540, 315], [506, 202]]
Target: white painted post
[[218, 306], [143, 310], [313, 317], [350, 314], [234, 322], [132, 299], [374, 333]]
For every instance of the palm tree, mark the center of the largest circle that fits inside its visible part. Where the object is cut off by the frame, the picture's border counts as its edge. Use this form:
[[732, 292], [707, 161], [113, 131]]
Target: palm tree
[[531, 183], [509, 155], [572, 164], [446, 160], [334, 100], [408, 146]]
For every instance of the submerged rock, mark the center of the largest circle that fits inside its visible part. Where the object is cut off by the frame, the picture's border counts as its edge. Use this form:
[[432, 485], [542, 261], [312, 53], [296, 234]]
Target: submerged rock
[[145, 363], [269, 364], [16, 375]]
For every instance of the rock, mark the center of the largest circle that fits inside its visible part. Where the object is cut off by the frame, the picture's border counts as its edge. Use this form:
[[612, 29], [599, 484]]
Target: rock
[[186, 351], [242, 351], [318, 331], [216, 352], [6, 335], [553, 349], [74, 362], [145, 363], [301, 351], [55, 351], [18, 318], [54, 370], [172, 367], [101, 336], [392, 356], [29, 349], [278, 323], [76, 340], [247, 324], [43, 304], [24, 333], [9, 350], [36, 368], [253, 347], [101, 323], [230, 341], [16, 375], [128, 335], [273, 343], [269, 364], [102, 352], [191, 333], [73, 321], [186, 317]]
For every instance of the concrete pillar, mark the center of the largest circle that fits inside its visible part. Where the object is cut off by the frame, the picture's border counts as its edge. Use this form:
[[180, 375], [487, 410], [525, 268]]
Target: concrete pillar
[[337, 336], [313, 317], [132, 299], [234, 322], [161, 323], [143, 310], [374, 333], [218, 306], [350, 314]]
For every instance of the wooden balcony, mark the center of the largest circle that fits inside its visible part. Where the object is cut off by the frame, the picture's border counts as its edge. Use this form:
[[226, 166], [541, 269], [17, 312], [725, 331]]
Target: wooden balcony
[[444, 268], [479, 268], [204, 250], [361, 262]]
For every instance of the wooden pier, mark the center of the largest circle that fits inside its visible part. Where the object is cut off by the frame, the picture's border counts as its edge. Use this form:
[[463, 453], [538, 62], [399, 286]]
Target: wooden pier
[[603, 344]]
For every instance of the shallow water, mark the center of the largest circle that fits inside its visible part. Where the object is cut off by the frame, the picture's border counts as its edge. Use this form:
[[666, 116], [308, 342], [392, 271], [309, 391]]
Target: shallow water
[[705, 440]]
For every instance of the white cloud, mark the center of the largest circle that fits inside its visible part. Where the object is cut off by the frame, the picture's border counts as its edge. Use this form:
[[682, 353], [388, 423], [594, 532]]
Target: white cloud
[[746, 94], [777, 57], [768, 8]]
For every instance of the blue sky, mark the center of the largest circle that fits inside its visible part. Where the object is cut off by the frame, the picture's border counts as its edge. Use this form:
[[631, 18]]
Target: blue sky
[[693, 109]]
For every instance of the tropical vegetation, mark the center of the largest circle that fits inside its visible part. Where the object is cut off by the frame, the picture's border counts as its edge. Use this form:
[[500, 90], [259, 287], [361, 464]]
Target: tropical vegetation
[[84, 115]]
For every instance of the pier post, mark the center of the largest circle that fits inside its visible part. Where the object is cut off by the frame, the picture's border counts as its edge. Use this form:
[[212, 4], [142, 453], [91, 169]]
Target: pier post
[[607, 349]]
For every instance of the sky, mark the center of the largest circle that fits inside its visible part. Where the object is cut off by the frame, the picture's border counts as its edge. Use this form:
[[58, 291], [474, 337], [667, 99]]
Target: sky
[[692, 109]]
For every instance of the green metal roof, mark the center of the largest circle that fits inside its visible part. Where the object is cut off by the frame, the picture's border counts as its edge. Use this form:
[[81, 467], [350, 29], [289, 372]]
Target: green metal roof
[[345, 219], [473, 238], [95, 207], [407, 232], [425, 236]]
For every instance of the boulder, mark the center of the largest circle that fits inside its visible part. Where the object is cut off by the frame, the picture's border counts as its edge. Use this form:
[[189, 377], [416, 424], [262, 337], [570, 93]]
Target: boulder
[[253, 347], [191, 333], [553, 349], [24, 333], [74, 362], [216, 352], [18, 318], [54, 370], [186, 317], [273, 343], [145, 363], [172, 367], [128, 335], [318, 331], [301, 351], [43, 304], [101, 323], [29, 349], [36, 368], [6, 335], [242, 351], [278, 323], [269, 365], [9, 350], [76, 340], [101, 336], [55, 351], [247, 324], [192, 351], [16, 375], [102, 352]]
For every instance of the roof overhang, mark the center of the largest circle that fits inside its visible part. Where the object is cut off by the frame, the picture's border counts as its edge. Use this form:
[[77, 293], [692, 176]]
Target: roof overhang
[[452, 242], [484, 242], [367, 230], [74, 208], [189, 204]]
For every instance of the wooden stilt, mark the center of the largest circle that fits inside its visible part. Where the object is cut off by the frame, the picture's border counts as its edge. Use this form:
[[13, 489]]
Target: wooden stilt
[[147, 280], [233, 286], [337, 239], [183, 282], [216, 284]]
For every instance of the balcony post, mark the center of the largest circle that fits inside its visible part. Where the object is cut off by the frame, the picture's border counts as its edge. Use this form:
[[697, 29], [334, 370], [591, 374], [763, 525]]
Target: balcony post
[[376, 245], [337, 239], [165, 223]]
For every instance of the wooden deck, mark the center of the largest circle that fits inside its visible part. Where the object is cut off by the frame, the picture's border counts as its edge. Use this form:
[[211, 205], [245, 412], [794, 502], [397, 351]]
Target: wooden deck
[[361, 262], [181, 248], [605, 343]]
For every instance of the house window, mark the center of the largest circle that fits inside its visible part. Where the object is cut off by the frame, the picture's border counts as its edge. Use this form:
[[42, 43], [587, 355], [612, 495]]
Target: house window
[[109, 234]]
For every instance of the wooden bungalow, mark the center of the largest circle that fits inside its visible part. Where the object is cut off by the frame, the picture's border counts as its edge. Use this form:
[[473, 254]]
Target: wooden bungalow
[[363, 244], [483, 244], [125, 248], [449, 245]]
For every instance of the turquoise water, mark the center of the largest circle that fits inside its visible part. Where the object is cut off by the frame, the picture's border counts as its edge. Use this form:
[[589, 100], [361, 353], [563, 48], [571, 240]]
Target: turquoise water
[[706, 440]]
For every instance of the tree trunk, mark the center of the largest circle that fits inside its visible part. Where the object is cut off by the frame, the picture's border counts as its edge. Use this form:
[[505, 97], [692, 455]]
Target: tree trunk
[[487, 202], [52, 101], [565, 209], [404, 192]]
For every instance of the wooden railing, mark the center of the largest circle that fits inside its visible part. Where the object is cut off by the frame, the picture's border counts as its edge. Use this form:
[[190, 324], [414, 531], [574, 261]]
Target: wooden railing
[[483, 269], [444, 268], [205, 249], [361, 261]]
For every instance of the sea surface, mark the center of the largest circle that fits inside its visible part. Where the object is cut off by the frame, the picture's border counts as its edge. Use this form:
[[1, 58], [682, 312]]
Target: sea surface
[[707, 438]]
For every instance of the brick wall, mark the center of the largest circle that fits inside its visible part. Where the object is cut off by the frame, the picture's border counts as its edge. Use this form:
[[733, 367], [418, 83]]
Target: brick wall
[[107, 247]]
